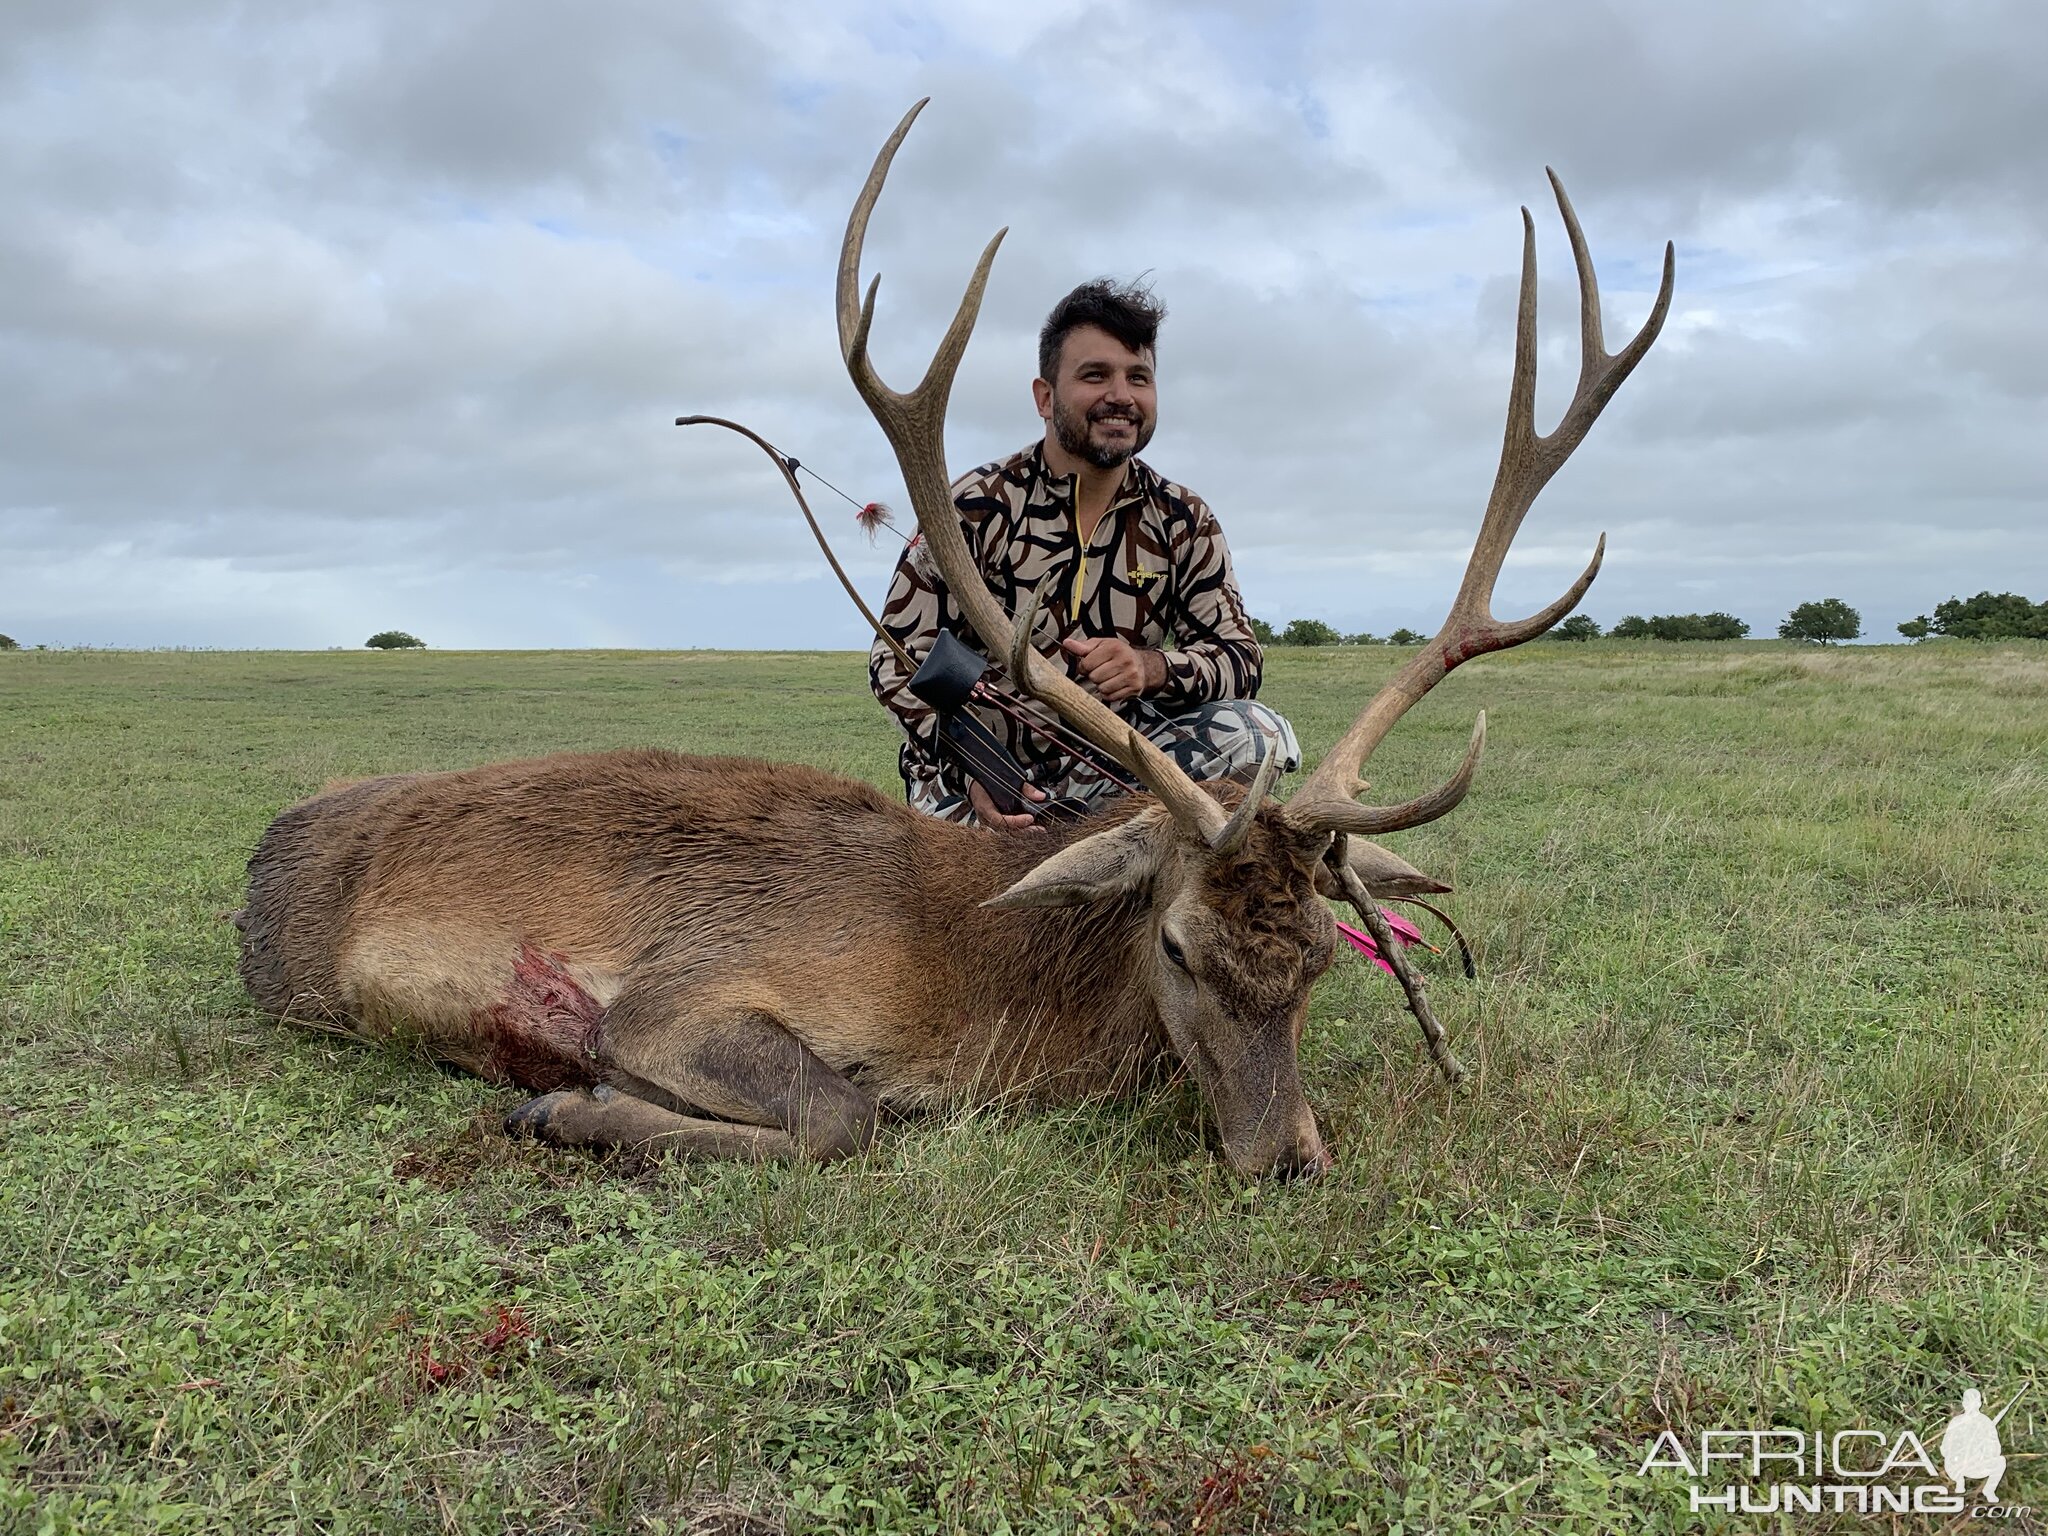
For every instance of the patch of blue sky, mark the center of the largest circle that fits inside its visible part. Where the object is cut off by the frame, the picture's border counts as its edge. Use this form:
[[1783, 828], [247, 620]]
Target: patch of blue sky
[[762, 221], [1315, 117], [45, 73], [672, 149], [716, 261], [1713, 269], [735, 240], [1265, 44], [1413, 218], [1625, 273], [461, 210], [801, 96], [758, 207], [1453, 295], [894, 30]]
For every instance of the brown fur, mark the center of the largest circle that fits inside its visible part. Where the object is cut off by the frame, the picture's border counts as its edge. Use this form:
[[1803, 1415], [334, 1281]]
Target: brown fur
[[699, 933]]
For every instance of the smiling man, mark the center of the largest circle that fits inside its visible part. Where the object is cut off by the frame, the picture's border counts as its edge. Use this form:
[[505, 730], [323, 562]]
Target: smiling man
[[1142, 604]]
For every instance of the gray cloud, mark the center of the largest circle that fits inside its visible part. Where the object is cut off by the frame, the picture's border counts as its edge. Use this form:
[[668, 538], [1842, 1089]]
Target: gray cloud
[[1896, 105], [307, 314]]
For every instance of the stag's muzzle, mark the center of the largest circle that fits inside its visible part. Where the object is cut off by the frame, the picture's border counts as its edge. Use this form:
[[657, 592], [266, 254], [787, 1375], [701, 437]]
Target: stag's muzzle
[[1265, 1124], [1296, 1151]]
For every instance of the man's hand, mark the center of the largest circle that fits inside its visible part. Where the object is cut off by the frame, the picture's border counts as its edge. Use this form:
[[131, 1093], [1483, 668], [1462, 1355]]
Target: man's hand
[[986, 813], [1115, 669]]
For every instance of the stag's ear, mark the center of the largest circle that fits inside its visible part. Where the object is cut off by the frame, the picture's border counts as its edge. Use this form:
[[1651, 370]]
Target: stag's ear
[[1108, 864], [1384, 874]]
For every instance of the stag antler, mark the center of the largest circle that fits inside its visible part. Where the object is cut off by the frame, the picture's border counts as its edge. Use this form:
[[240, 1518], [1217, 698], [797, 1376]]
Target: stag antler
[[915, 424], [1527, 461]]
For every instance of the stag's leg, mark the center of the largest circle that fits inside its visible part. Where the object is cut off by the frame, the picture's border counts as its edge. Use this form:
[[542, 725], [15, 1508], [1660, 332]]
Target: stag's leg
[[604, 1119], [740, 1064]]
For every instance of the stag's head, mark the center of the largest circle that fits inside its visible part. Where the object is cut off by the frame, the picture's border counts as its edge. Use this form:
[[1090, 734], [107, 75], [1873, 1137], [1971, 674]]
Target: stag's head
[[1232, 939], [1238, 934]]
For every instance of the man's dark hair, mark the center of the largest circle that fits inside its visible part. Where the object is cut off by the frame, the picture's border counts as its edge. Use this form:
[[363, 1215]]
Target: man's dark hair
[[1125, 310]]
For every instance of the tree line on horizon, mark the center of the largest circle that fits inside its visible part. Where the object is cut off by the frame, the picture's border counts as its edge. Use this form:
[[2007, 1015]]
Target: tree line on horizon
[[1987, 616]]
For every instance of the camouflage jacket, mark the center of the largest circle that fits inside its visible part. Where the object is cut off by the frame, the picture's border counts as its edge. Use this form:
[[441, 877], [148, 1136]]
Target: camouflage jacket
[[1156, 573]]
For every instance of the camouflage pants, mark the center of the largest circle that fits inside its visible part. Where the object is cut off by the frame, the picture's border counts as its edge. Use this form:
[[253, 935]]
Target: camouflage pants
[[1225, 739], [1222, 740]]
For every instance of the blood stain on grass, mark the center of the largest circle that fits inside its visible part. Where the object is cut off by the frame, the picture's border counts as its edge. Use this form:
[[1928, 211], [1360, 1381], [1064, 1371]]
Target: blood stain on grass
[[438, 1363]]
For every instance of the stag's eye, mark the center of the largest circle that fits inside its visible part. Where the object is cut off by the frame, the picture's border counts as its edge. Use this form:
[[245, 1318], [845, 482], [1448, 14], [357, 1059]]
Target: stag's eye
[[1174, 952]]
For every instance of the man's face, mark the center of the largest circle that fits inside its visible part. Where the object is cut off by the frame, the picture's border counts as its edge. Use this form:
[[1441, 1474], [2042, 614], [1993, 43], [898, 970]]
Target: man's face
[[1104, 404]]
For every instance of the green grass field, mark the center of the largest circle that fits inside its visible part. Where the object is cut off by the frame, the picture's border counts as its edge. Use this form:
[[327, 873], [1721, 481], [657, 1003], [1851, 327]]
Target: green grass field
[[1758, 1136]]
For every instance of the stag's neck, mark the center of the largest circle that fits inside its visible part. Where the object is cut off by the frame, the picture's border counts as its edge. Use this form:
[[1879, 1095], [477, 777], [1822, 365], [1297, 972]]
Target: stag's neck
[[1057, 993]]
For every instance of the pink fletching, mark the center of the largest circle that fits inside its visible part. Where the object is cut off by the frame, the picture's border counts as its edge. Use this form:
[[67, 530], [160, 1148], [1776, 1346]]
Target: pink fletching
[[1361, 941], [1404, 930]]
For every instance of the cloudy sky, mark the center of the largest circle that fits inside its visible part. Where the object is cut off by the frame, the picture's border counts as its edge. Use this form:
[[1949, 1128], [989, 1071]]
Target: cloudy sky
[[317, 319]]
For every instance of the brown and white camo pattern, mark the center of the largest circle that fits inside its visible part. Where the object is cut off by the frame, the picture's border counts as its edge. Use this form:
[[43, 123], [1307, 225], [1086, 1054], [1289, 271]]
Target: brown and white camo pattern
[[1158, 575]]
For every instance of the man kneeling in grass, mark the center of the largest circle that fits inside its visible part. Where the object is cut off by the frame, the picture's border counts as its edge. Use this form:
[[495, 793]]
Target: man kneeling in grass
[[1142, 603]]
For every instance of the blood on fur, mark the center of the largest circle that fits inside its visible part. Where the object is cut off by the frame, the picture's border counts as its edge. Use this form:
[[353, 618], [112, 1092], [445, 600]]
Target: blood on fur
[[543, 1033]]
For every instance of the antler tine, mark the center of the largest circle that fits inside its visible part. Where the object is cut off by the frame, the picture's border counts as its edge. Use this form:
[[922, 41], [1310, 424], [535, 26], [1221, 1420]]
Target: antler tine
[[857, 320], [1231, 838], [1373, 820], [1592, 348], [1601, 373], [915, 424], [1527, 462], [856, 316], [1027, 623]]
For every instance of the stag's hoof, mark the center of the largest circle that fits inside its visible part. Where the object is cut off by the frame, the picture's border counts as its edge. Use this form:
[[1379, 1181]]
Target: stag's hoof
[[534, 1118]]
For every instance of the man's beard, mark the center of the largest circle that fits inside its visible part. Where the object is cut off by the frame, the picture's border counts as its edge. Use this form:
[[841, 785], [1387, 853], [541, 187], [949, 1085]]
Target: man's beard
[[1071, 429]]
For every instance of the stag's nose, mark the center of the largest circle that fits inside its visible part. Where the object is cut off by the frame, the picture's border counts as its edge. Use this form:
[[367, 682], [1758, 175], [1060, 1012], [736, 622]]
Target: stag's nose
[[1290, 1152], [1274, 1135], [1305, 1156]]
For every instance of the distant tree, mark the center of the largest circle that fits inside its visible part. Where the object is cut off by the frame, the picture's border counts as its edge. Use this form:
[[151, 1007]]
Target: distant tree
[[1263, 633], [1363, 637], [394, 640], [1915, 629], [1308, 632], [1580, 626], [9, 643], [1706, 626], [1680, 626], [1828, 620], [1405, 637], [1991, 616]]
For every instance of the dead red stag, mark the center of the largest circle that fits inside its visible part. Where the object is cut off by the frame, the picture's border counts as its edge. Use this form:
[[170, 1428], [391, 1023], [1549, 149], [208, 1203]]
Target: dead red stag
[[736, 958]]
